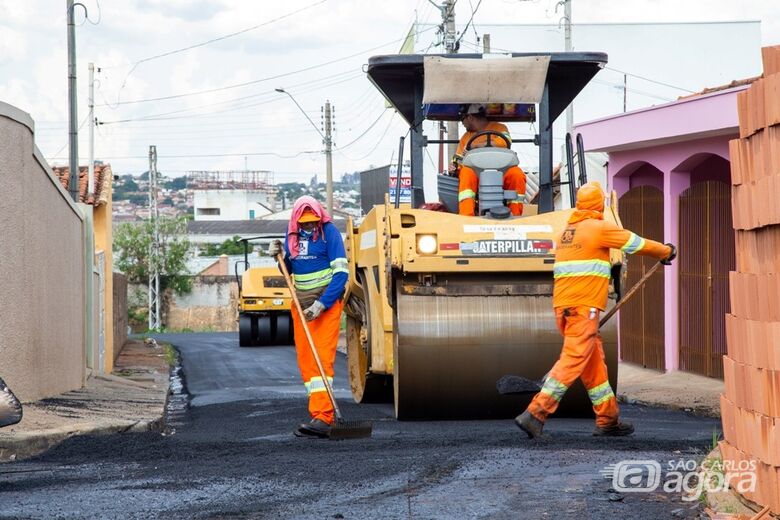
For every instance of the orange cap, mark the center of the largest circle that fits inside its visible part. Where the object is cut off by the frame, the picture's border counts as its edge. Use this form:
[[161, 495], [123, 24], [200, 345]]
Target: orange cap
[[590, 196], [309, 216]]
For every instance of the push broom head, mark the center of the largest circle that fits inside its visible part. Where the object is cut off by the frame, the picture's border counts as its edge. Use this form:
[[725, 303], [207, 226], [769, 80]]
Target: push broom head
[[343, 430]]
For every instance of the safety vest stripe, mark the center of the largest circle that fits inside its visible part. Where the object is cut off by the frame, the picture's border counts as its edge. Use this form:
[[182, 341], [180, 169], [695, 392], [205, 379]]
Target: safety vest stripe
[[633, 244], [313, 280], [519, 200], [600, 268], [316, 384], [601, 393], [339, 265], [466, 194], [554, 388]]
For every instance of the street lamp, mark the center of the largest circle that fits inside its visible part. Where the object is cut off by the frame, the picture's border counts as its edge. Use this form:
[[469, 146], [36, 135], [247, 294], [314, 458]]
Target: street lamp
[[326, 139]]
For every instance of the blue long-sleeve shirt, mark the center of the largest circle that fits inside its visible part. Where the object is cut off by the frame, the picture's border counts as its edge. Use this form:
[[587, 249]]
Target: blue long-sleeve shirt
[[320, 263]]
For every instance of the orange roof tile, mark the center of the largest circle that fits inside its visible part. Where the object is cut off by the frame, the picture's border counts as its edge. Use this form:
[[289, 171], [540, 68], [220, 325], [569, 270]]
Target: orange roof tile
[[103, 179]]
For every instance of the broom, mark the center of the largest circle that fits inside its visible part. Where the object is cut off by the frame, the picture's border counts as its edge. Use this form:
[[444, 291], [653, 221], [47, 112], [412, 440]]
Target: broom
[[340, 429]]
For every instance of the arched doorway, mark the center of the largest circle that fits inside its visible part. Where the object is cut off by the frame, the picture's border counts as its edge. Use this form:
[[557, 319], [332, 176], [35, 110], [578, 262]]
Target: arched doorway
[[642, 318], [705, 259]]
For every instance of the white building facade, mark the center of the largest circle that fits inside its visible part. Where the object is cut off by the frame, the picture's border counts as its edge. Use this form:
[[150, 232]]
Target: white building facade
[[232, 204]]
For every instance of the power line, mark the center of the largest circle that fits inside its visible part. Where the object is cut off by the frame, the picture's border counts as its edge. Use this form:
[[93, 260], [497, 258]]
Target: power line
[[473, 12], [261, 80], [363, 134], [650, 80], [161, 116], [378, 142]]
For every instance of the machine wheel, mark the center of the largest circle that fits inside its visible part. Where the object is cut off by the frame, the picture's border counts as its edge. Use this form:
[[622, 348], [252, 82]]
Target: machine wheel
[[366, 387], [264, 331], [246, 336], [283, 330]]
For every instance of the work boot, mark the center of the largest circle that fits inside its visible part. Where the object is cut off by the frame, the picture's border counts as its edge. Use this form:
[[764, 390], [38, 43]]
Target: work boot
[[529, 424], [619, 429], [314, 428]]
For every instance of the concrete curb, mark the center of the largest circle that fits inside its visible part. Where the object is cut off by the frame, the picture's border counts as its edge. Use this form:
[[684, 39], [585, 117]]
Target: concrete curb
[[28, 444]]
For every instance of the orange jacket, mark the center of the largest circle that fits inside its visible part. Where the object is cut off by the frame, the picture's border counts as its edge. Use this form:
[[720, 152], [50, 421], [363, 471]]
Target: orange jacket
[[582, 267], [482, 141]]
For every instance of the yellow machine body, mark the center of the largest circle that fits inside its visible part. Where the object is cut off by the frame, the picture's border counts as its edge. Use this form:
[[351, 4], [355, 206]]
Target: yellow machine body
[[434, 328], [264, 305]]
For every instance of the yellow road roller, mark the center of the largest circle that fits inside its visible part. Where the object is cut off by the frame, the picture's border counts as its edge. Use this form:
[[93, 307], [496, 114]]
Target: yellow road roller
[[440, 306], [264, 305]]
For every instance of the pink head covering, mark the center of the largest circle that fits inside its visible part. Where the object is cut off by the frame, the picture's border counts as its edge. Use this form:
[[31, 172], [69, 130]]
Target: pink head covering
[[301, 205]]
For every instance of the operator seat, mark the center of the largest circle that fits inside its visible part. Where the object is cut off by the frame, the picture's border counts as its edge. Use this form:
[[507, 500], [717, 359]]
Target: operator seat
[[490, 164]]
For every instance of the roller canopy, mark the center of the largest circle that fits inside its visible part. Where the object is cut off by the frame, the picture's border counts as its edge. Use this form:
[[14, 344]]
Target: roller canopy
[[567, 73]]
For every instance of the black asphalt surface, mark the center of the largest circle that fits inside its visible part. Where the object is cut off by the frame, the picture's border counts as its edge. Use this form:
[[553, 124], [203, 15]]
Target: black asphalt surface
[[231, 454]]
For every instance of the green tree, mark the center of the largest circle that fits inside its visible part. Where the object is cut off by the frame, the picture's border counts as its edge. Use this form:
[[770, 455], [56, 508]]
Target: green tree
[[132, 242], [177, 183], [230, 246]]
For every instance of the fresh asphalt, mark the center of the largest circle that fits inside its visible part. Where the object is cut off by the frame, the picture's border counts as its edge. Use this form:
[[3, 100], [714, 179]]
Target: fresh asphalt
[[231, 454]]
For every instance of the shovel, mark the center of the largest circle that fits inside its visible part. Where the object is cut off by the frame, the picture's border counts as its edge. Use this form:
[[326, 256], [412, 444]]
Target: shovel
[[517, 385], [341, 429]]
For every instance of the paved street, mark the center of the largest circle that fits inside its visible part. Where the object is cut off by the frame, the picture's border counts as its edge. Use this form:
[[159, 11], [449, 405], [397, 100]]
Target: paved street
[[231, 454]]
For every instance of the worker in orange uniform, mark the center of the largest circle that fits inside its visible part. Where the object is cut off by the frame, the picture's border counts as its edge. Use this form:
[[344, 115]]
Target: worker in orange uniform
[[475, 120], [582, 273], [315, 257]]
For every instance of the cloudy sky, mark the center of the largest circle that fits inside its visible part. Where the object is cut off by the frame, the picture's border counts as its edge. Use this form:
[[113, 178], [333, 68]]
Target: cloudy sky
[[213, 106]]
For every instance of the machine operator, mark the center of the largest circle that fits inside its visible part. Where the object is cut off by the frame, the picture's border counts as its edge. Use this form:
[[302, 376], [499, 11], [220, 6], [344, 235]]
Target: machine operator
[[474, 118]]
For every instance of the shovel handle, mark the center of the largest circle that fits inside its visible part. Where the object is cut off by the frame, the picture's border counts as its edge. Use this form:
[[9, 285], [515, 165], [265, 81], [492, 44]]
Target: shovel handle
[[629, 294], [283, 268]]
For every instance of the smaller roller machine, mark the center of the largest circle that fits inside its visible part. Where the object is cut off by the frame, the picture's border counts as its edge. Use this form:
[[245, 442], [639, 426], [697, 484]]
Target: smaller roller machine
[[264, 305]]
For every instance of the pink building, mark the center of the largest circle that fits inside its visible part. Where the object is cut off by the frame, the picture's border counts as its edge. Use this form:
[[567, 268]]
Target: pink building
[[670, 167]]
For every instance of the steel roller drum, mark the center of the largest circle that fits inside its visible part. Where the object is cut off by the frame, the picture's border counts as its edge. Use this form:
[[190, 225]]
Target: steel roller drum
[[451, 350]]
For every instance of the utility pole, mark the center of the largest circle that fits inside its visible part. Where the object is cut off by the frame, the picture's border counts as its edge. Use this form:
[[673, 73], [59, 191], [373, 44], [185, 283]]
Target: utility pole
[[154, 247], [567, 32], [486, 43], [73, 138], [91, 164], [625, 89], [328, 141], [451, 47]]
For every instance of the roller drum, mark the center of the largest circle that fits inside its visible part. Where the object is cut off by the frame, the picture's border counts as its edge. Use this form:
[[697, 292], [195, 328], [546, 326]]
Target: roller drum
[[451, 350]]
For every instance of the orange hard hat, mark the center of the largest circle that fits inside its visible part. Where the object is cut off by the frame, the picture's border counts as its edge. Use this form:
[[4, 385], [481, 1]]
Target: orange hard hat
[[309, 216], [590, 196]]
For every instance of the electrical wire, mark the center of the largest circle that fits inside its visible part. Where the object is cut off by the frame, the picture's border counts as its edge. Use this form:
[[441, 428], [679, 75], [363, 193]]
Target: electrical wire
[[378, 142], [364, 132], [650, 80], [473, 12], [260, 80]]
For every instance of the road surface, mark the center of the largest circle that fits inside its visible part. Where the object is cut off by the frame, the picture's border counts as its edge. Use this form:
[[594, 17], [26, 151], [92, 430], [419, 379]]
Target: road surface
[[231, 454]]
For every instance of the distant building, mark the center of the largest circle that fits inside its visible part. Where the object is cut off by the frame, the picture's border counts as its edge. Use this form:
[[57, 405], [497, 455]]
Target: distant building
[[231, 204]]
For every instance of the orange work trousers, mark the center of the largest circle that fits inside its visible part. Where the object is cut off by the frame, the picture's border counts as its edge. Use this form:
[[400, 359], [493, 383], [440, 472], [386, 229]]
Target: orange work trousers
[[468, 186], [582, 357], [325, 333]]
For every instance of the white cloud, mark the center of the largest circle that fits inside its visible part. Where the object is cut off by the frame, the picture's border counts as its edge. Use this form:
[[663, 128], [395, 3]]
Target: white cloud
[[34, 74]]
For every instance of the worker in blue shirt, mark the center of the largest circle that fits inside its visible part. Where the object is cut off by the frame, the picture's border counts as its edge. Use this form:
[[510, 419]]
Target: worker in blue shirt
[[315, 257]]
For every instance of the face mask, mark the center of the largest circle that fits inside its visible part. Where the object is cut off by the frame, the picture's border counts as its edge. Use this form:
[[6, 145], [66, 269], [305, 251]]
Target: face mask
[[305, 234]]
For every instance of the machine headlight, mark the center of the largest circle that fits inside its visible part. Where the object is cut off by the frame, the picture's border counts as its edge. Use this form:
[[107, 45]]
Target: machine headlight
[[278, 301], [427, 244]]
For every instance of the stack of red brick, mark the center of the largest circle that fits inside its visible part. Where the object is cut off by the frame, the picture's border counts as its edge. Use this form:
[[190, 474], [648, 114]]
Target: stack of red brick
[[750, 407]]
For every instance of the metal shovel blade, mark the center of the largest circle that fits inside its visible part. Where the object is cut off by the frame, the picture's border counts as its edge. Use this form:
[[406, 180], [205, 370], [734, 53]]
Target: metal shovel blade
[[343, 430], [512, 385], [10, 407]]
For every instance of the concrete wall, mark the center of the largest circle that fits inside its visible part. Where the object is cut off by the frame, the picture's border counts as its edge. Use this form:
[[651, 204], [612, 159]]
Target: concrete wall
[[119, 312], [42, 270], [211, 306]]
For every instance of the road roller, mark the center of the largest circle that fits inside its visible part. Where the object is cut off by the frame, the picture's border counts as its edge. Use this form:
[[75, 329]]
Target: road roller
[[264, 304], [440, 306]]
